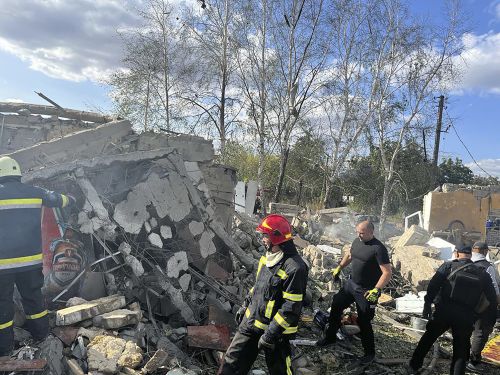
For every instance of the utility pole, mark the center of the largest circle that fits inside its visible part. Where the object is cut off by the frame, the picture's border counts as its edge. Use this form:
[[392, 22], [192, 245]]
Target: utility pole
[[425, 147], [438, 131]]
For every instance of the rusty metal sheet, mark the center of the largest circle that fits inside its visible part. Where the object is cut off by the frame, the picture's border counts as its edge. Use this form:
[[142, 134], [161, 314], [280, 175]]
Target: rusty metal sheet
[[209, 337], [11, 364]]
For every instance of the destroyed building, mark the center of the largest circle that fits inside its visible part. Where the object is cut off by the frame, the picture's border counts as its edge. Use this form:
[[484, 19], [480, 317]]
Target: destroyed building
[[144, 275]]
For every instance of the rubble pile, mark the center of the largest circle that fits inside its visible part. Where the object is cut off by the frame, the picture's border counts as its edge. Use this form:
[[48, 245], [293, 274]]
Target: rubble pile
[[146, 250]]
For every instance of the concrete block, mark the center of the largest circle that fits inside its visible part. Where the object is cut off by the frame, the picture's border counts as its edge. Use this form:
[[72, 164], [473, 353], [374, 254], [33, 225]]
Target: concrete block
[[156, 361], [209, 337], [414, 235], [196, 228], [155, 240], [166, 232], [193, 171], [116, 319], [218, 316], [207, 246], [75, 314], [251, 195], [184, 282], [66, 334], [177, 263]]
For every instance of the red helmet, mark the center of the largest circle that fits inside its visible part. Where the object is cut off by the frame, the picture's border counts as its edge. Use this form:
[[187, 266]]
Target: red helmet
[[277, 228]]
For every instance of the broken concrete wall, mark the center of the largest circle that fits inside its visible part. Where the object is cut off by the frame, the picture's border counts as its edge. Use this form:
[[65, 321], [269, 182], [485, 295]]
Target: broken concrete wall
[[462, 209], [17, 131]]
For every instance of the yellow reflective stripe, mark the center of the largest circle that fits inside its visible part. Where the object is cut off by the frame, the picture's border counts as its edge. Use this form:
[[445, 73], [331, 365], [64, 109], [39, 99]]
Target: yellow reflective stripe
[[247, 312], [260, 325], [269, 309], [6, 325], [293, 297], [288, 235], [251, 290], [20, 203], [282, 274], [65, 200], [290, 330], [288, 361], [262, 262], [21, 259], [281, 321], [37, 316]]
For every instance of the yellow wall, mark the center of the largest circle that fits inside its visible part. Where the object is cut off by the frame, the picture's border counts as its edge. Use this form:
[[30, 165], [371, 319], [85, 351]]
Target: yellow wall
[[459, 205]]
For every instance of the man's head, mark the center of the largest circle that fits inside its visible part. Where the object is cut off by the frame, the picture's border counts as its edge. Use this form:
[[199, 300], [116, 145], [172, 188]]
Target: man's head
[[275, 230], [365, 230], [480, 247], [9, 167], [464, 252]]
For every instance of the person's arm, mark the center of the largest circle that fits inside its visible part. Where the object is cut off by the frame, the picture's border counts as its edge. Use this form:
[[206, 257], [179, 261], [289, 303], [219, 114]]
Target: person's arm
[[346, 260], [53, 199], [436, 283], [489, 290], [493, 276], [385, 277]]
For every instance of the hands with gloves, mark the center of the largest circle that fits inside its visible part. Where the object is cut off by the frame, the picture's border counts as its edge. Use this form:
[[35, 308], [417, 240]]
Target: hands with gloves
[[372, 295]]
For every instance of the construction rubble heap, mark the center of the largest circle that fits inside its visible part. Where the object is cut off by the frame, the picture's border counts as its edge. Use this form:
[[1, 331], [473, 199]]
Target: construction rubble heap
[[144, 274]]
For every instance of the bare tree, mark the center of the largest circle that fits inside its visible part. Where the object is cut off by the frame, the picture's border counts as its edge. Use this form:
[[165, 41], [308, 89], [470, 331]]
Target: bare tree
[[301, 54]]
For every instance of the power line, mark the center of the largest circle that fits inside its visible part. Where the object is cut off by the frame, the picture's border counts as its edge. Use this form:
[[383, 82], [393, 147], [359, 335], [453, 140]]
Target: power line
[[465, 146]]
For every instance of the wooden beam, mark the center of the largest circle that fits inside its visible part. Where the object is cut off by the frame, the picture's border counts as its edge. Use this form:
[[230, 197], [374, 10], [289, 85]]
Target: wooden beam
[[10, 364]]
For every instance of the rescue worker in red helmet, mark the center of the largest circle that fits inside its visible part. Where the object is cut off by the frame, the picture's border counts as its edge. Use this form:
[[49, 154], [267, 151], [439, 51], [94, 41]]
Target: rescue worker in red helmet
[[270, 314], [21, 251]]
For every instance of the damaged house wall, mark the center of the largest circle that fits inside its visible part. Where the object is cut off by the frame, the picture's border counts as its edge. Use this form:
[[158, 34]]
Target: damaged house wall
[[465, 209]]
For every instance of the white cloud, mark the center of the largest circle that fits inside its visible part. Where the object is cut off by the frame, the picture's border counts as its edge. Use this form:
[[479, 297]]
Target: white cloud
[[14, 100], [492, 166], [480, 63], [71, 40]]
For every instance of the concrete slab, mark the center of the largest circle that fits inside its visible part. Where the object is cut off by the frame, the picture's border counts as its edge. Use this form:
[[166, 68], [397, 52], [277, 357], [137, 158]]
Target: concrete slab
[[66, 334], [116, 319], [414, 235], [209, 337], [251, 195], [75, 314], [239, 198]]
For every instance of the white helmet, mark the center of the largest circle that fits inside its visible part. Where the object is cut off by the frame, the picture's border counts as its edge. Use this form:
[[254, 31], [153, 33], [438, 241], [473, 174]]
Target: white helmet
[[9, 167]]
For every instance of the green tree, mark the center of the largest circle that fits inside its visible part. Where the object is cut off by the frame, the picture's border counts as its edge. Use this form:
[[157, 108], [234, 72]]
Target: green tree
[[454, 172]]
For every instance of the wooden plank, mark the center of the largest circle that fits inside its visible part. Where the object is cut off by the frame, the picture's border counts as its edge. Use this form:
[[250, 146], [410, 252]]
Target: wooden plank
[[11, 364]]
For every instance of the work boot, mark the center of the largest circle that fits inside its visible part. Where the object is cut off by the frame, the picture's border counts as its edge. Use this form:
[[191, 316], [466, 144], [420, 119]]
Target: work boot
[[326, 341], [474, 367]]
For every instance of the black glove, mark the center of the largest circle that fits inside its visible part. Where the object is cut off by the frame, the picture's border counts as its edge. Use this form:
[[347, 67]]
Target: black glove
[[265, 343], [240, 314], [427, 312]]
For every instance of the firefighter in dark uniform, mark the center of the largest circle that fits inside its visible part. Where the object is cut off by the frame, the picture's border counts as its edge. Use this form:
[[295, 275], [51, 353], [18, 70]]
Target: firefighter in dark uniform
[[21, 251], [270, 314], [455, 289]]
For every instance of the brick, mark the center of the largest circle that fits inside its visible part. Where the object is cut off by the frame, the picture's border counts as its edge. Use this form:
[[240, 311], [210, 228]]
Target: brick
[[209, 337], [75, 314]]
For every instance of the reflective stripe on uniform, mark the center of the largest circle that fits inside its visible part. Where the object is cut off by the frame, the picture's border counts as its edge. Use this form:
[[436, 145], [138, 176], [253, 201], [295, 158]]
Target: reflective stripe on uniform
[[269, 309], [65, 200], [8, 204], [247, 312], [288, 362], [292, 297], [251, 290], [262, 262], [288, 235], [282, 274], [283, 323], [37, 316], [20, 262], [6, 325], [260, 325]]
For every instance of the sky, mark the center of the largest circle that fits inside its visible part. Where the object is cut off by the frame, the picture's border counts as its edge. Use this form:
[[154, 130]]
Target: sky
[[65, 48]]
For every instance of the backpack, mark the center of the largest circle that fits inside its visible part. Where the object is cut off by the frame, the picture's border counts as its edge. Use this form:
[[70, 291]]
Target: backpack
[[465, 283]]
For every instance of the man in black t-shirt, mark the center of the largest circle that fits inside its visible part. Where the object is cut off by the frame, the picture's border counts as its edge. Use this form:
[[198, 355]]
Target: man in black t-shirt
[[371, 271]]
